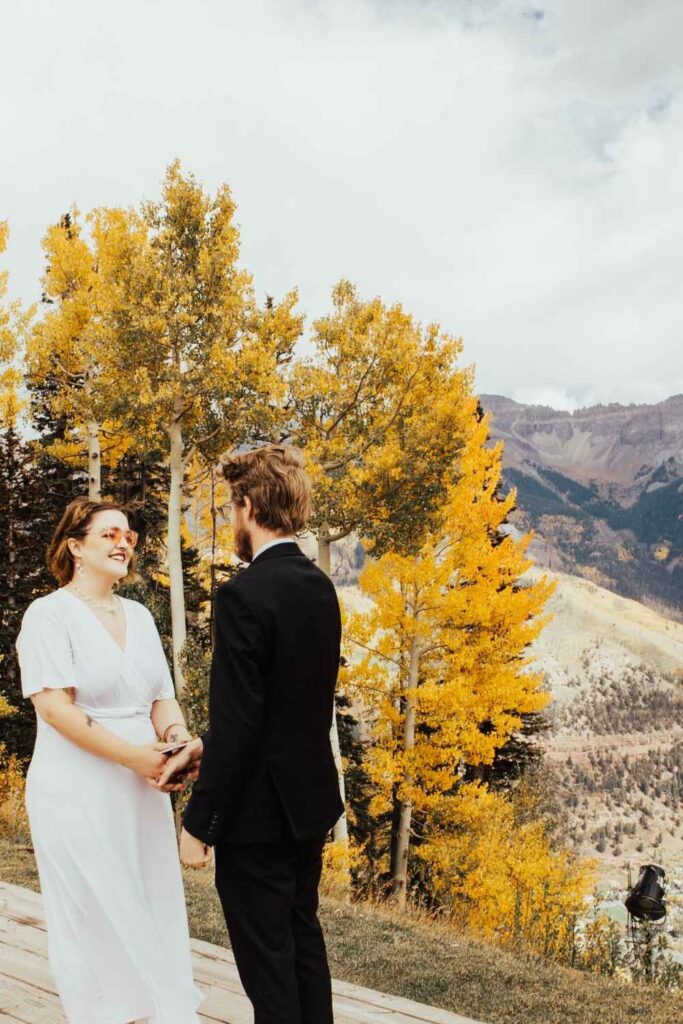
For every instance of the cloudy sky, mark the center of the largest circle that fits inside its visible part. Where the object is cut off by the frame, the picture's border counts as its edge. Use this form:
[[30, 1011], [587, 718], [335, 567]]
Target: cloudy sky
[[509, 169]]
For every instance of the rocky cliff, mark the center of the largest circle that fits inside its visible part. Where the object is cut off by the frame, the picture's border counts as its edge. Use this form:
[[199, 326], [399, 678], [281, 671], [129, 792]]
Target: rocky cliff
[[603, 489]]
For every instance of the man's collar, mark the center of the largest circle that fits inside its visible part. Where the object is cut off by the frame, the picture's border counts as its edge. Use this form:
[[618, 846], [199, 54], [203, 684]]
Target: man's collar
[[276, 549], [271, 544]]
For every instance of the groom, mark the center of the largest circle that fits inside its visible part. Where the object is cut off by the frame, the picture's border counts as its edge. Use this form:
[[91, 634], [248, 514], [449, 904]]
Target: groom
[[267, 792]]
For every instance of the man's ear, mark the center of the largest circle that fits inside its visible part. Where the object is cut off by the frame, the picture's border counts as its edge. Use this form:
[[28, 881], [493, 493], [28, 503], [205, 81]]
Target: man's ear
[[248, 507]]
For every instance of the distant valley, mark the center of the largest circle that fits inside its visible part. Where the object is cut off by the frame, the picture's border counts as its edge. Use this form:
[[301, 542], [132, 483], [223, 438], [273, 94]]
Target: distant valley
[[615, 671]]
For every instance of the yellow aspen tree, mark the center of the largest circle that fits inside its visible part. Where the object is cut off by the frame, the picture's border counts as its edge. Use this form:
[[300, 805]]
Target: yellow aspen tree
[[8, 337], [377, 407], [202, 358], [439, 657], [70, 348], [14, 325]]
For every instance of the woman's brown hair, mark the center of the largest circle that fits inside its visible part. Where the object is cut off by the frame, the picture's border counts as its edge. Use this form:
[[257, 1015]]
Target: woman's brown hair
[[274, 479], [75, 521]]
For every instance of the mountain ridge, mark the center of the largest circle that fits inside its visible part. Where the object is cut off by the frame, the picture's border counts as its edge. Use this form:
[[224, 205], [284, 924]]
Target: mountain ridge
[[602, 488]]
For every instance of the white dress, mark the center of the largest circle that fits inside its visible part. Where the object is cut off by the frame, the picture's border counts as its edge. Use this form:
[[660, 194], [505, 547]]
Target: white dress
[[104, 839]]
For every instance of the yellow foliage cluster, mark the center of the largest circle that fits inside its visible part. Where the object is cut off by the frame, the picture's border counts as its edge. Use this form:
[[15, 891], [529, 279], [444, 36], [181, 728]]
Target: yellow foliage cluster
[[183, 315], [502, 879], [72, 344], [599, 948], [377, 410], [5, 707], [339, 860], [13, 818], [13, 324]]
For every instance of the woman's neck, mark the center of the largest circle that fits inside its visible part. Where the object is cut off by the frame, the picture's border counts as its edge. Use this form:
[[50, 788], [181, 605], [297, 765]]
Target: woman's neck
[[98, 588]]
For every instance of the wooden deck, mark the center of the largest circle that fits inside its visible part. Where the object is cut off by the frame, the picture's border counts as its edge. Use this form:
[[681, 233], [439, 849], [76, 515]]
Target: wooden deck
[[27, 994]]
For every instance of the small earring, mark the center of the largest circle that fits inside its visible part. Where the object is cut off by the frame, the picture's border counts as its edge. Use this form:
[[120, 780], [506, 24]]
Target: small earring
[[80, 569]]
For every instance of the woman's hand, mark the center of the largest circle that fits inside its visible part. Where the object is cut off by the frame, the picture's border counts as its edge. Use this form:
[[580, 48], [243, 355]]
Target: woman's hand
[[146, 761]]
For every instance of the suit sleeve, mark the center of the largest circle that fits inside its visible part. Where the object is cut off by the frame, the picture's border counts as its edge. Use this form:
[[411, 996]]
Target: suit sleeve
[[236, 703]]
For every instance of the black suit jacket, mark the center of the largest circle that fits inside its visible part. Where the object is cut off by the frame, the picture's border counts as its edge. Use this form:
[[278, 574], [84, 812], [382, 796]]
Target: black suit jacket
[[267, 768]]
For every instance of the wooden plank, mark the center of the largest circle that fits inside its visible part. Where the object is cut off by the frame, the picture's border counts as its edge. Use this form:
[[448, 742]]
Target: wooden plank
[[220, 1007], [28, 990], [16, 902], [399, 1005], [22, 936], [29, 1005], [25, 966]]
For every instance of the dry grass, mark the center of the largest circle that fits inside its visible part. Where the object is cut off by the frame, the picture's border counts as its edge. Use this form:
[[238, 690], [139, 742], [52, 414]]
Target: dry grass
[[410, 957]]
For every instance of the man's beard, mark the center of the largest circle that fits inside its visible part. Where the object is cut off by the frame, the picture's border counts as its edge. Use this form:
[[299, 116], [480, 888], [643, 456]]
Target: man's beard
[[244, 549]]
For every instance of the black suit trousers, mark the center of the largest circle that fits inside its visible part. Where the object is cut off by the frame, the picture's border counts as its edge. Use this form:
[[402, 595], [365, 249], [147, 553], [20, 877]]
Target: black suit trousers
[[269, 893]]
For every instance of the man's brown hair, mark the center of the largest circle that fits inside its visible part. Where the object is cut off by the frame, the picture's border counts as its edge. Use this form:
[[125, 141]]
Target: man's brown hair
[[75, 522], [274, 479]]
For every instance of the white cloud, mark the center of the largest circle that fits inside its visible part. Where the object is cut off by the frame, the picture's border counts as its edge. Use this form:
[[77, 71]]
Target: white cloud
[[553, 397], [512, 176]]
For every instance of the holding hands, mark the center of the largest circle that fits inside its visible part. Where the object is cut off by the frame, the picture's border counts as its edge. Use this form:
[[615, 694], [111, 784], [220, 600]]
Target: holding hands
[[180, 767], [169, 768], [164, 771]]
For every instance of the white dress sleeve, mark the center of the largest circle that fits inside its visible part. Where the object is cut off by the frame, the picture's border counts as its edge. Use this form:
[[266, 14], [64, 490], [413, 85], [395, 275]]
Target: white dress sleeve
[[164, 688], [44, 651]]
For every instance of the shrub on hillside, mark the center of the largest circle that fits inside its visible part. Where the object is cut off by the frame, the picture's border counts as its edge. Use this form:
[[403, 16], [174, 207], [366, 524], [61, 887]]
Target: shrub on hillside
[[504, 880], [13, 819]]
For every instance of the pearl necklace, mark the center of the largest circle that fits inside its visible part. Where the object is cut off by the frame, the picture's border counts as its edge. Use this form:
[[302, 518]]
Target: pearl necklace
[[109, 606]]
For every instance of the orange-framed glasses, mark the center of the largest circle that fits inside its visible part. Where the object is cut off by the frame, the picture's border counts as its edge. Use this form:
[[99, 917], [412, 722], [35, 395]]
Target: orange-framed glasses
[[114, 534]]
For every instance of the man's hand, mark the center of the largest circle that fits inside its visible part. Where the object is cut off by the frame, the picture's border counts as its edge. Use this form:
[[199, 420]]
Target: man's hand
[[193, 852], [181, 766]]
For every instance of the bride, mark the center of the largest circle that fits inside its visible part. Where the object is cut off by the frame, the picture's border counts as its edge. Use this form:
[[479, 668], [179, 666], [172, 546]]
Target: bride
[[104, 838]]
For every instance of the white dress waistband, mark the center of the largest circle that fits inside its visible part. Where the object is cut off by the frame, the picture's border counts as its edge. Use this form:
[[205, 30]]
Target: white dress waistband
[[130, 712]]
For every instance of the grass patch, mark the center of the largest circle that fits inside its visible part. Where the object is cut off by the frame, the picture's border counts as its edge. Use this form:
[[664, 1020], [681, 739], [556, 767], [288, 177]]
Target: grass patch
[[408, 956]]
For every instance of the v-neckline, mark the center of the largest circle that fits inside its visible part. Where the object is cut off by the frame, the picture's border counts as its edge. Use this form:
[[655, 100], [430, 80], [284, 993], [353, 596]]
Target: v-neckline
[[123, 650]]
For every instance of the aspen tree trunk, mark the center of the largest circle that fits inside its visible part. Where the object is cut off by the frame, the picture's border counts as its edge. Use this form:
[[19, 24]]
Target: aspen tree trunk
[[324, 550], [399, 858], [94, 462], [398, 703], [175, 565], [212, 586], [9, 666], [395, 820], [341, 829]]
